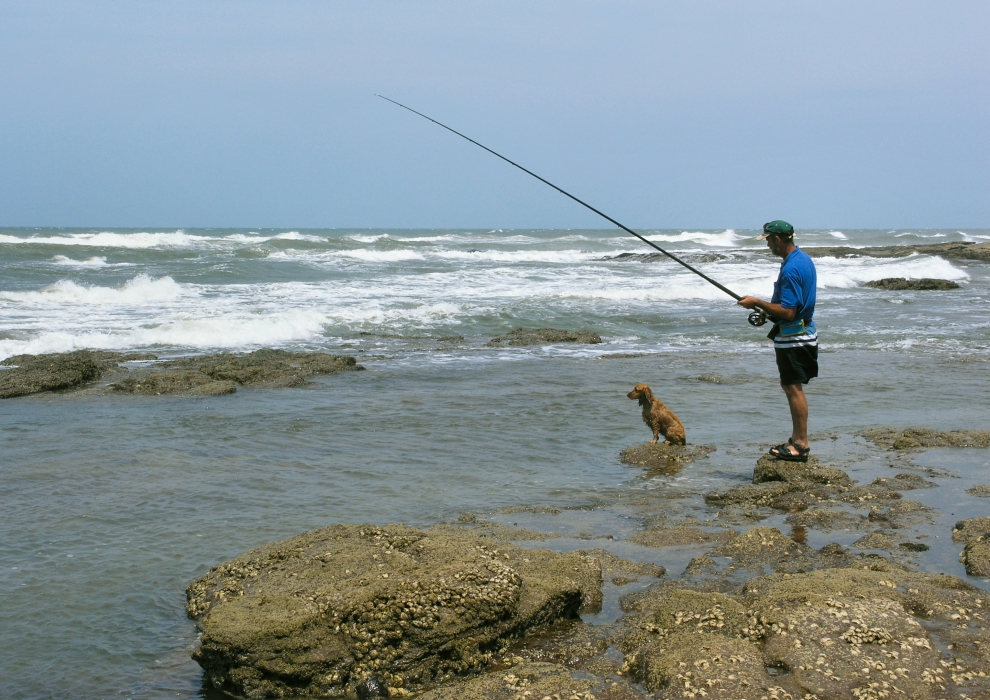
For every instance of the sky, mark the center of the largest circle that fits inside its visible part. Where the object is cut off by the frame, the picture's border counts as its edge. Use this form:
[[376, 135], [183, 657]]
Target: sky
[[716, 114]]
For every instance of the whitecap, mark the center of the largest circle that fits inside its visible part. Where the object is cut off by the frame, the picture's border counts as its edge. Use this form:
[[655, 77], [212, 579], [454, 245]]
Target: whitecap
[[110, 239], [95, 261], [140, 290], [838, 234], [725, 239], [853, 272]]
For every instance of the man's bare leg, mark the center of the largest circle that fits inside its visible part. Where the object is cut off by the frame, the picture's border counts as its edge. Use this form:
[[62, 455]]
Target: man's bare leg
[[798, 404]]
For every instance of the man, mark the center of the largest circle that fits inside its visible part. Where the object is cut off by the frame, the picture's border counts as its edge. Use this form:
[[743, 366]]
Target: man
[[795, 339]]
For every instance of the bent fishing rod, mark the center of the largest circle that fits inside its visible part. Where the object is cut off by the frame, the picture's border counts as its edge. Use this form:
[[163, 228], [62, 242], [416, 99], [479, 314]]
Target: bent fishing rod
[[757, 318]]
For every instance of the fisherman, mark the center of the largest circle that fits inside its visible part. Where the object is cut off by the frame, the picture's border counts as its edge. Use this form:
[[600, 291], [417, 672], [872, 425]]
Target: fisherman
[[795, 339]]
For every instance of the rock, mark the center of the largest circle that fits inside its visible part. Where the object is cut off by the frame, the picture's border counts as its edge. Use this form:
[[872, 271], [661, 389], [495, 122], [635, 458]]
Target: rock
[[715, 378], [623, 570], [204, 375], [970, 530], [759, 546], [35, 373], [271, 368], [844, 647], [769, 468], [185, 382], [680, 535], [916, 438], [981, 490], [320, 613], [900, 514], [522, 337], [875, 540], [905, 482], [956, 251], [976, 557], [527, 680], [870, 493], [781, 495], [828, 519], [661, 456], [914, 546], [924, 284]]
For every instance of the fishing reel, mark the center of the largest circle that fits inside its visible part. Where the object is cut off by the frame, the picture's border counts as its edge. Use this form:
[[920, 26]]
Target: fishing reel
[[758, 317]]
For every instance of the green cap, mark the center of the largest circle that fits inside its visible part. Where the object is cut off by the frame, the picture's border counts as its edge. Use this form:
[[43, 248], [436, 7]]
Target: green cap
[[778, 228]]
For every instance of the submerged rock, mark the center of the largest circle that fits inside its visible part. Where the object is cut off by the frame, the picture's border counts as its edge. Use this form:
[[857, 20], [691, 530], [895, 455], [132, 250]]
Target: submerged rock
[[925, 284], [915, 438], [981, 490], [522, 337], [185, 382], [321, 613]]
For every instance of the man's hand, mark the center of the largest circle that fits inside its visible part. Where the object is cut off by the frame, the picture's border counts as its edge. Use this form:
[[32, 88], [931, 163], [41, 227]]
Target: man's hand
[[775, 311]]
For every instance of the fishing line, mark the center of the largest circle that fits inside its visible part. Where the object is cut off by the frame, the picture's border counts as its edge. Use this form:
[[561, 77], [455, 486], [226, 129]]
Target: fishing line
[[757, 318]]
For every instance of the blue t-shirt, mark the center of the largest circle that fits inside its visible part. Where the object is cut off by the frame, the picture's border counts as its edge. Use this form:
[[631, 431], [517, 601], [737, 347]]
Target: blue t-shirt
[[795, 286]]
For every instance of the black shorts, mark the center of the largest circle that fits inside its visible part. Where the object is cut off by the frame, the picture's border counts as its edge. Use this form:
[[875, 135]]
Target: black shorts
[[797, 365]]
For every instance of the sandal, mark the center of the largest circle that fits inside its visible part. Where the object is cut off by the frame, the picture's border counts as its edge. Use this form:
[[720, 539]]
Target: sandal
[[781, 452]]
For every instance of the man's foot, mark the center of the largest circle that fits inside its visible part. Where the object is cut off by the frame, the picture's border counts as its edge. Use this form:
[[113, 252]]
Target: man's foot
[[789, 452]]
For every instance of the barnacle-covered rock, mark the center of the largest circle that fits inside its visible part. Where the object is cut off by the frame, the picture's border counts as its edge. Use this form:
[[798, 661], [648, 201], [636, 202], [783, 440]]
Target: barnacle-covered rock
[[769, 468], [322, 612]]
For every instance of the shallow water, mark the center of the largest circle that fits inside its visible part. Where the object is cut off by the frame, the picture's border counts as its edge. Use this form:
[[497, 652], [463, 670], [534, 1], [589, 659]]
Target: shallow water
[[112, 505]]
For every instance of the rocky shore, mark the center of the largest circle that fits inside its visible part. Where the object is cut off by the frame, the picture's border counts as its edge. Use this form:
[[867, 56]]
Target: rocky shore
[[481, 609], [952, 251], [204, 375]]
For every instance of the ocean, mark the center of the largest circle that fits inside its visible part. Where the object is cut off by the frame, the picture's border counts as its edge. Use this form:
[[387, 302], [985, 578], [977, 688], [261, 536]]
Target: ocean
[[113, 504]]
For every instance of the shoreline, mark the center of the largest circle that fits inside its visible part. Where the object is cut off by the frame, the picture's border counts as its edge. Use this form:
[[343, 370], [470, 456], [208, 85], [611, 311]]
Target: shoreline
[[807, 526]]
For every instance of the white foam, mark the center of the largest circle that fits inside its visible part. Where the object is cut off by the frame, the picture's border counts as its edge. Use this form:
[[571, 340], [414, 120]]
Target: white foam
[[296, 236], [544, 256], [141, 290], [109, 239], [721, 240], [95, 261], [838, 234], [852, 272]]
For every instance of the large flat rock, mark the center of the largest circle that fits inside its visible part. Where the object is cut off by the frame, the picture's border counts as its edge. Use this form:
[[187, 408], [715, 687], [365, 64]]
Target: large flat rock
[[321, 613]]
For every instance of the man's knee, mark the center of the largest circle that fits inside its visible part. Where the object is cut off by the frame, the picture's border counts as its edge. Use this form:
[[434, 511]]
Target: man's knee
[[792, 388]]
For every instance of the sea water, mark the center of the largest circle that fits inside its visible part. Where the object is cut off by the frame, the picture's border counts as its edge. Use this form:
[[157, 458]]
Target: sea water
[[111, 505]]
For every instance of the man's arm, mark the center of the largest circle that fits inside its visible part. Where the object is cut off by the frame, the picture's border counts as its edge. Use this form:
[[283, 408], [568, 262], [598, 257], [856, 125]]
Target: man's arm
[[775, 311]]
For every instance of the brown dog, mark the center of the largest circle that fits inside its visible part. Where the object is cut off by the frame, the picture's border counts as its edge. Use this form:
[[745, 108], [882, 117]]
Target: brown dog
[[660, 418]]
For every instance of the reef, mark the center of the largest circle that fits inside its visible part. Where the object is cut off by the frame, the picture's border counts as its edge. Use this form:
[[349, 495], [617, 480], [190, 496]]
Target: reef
[[523, 337], [955, 251], [204, 375], [925, 284]]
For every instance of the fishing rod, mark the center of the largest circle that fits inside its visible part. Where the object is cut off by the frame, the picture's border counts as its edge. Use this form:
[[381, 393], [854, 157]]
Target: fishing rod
[[757, 318]]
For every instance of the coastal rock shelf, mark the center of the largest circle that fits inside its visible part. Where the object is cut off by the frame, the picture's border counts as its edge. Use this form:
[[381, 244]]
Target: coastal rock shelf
[[460, 612], [321, 613], [205, 375]]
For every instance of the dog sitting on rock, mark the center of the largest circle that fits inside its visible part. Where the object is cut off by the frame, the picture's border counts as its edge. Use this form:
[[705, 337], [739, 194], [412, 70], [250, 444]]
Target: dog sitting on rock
[[660, 418]]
